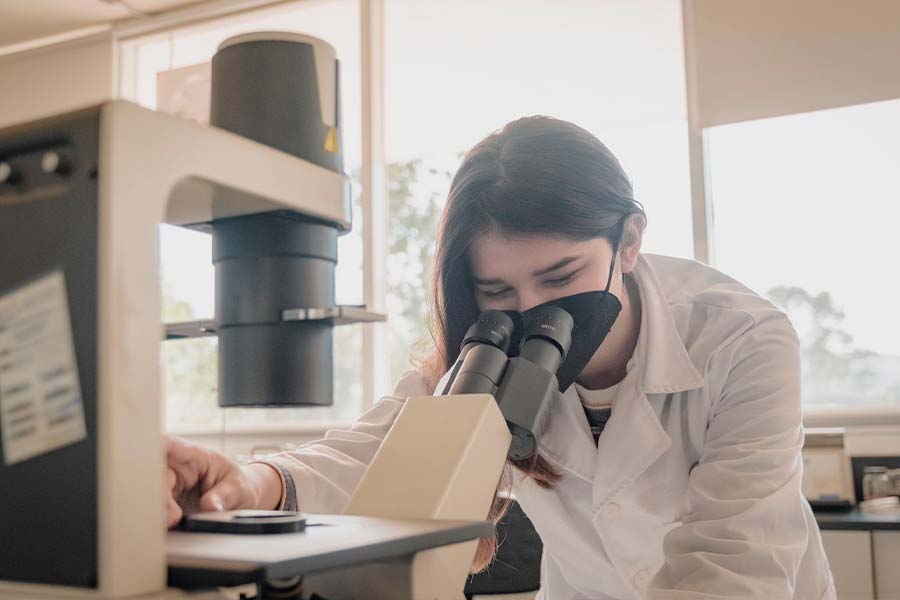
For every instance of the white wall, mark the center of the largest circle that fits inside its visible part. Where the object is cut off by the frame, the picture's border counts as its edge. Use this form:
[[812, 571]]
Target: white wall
[[54, 79], [767, 58]]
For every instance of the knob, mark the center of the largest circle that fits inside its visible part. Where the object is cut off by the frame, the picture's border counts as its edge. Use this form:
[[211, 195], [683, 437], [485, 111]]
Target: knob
[[8, 174], [54, 162]]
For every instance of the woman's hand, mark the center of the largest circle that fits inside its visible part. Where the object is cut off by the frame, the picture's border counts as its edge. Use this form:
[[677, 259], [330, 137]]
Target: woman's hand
[[199, 480]]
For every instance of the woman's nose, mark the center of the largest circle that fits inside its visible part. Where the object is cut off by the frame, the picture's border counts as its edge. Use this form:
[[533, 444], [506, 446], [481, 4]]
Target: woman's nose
[[527, 301]]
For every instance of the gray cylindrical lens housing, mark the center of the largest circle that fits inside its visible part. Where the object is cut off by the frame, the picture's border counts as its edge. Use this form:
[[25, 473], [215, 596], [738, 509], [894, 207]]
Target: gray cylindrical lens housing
[[547, 337], [481, 370], [266, 264], [493, 329]]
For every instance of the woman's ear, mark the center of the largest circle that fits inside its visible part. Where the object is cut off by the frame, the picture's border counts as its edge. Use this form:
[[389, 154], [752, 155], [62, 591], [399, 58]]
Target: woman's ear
[[630, 246]]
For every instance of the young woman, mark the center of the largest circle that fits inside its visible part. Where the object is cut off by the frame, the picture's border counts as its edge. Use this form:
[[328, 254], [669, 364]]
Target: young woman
[[671, 468]]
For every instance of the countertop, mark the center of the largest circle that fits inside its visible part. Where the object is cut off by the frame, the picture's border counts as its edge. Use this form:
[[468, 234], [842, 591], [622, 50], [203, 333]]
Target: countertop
[[854, 519]]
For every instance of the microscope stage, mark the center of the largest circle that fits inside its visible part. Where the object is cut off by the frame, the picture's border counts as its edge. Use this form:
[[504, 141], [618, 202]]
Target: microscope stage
[[328, 542]]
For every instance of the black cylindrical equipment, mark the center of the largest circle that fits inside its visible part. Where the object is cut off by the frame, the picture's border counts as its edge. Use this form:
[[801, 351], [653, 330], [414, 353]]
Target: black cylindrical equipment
[[279, 89], [265, 264]]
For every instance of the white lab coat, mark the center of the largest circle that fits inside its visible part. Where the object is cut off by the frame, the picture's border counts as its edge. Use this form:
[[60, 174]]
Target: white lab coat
[[694, 488]]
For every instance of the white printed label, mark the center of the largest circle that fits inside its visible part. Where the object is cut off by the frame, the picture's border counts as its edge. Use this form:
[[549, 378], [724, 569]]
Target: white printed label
[[40, 395]]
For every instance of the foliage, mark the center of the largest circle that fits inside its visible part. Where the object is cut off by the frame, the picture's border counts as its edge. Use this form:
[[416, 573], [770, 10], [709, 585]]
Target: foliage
[[416, 196], [834, 371]]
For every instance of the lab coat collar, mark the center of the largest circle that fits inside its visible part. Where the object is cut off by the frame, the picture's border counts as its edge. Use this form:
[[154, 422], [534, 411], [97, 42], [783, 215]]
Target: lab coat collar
[[662, 358]]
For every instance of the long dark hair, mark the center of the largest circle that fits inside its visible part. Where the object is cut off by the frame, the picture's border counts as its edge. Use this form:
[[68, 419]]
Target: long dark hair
[[536, 176]]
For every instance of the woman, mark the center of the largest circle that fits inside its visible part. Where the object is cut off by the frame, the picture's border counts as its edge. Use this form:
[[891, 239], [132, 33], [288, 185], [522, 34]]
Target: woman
[[671, 468]]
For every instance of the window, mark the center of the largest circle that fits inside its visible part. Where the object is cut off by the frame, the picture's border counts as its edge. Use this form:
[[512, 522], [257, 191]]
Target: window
[[170, 72], [806, 213], [455, 71]]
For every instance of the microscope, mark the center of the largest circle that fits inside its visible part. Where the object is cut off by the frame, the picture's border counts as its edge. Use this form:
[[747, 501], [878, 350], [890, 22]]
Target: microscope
[[492, 406], [81, 198]]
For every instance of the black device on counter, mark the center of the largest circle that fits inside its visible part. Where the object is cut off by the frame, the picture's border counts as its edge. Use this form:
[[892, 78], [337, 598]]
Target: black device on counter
[[250, 522], [524, 384]]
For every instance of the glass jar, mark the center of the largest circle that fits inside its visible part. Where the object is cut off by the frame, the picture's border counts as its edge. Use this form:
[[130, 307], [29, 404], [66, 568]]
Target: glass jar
[[893, 476], [876, 483]]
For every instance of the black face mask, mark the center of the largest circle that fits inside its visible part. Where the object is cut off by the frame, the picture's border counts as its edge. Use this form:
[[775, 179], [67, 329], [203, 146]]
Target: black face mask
[[594, 314]]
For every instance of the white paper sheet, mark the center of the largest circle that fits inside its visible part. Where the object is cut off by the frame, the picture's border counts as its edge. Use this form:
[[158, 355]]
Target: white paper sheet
[[41, 408]]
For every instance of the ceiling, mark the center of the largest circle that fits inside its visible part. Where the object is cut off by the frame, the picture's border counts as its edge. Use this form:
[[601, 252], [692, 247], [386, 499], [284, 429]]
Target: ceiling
[[26, 20]]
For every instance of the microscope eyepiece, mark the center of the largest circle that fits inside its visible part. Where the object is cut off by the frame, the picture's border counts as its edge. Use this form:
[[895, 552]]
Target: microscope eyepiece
[[547, 337], [492, 327], [482, 358]]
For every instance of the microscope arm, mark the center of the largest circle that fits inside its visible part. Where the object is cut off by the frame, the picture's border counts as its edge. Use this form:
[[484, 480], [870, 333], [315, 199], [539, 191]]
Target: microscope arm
[[442, 459]]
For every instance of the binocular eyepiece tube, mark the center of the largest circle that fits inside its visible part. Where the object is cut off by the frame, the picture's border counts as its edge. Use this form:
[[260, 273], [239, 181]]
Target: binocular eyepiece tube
[[523, 385]]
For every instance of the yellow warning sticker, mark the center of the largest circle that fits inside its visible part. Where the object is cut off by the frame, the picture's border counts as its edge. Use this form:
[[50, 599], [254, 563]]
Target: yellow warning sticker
[[331, 140]]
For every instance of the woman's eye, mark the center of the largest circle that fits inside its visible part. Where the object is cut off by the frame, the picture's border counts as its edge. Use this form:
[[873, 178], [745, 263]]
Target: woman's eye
[[496, 294], [561, 281]]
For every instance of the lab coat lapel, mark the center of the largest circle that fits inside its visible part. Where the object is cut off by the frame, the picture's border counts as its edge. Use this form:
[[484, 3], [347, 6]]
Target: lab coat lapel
[[632, 440], [567, 442]]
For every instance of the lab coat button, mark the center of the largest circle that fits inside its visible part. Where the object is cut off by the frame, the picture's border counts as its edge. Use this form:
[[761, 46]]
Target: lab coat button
[[611, 510], [641, 579]]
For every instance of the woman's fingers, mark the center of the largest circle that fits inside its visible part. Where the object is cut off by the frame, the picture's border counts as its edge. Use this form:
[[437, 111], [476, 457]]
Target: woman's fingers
[[187, 466], [213, 499], [227, 494], [178, 450], [189, 462], [202, 480], [173, 510], [171, 480]]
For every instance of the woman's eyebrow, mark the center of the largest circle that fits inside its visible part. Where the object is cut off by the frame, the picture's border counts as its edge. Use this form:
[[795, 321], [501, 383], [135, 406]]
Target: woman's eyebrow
[[557, 265], [488, 281]]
